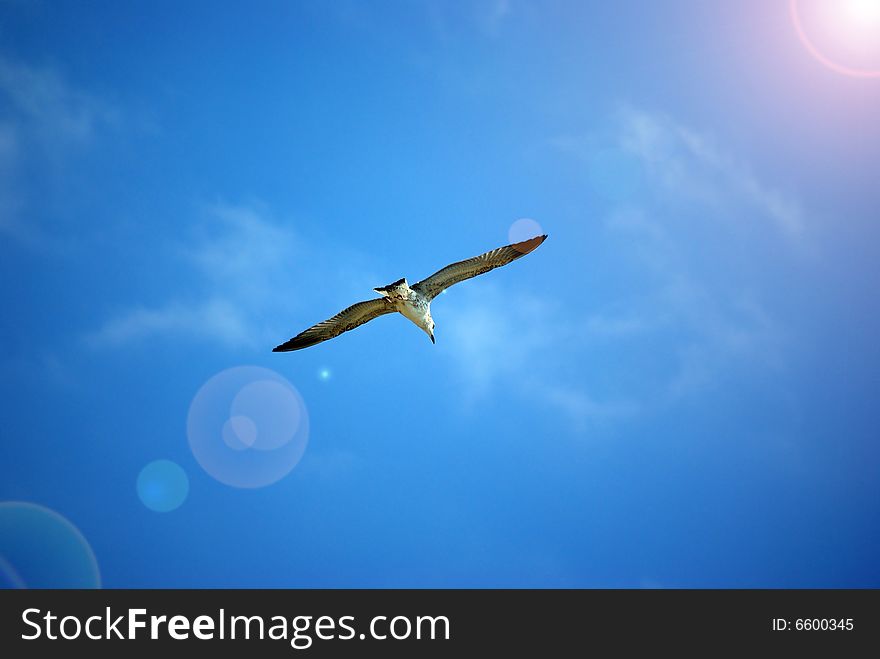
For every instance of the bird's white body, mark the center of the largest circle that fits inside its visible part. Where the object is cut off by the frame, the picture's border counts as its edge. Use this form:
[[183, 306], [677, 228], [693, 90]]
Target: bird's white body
[[411, 304]]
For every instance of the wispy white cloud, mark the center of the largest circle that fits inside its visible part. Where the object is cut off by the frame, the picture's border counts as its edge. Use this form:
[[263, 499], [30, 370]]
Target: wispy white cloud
[[49, 108], [249, 273], [10, 201], [688, 165], [500, 339], [692, 209], [235, 263], [694, 290], [726, 331], [492, 335], [487, 17], [242, 252], [713, 322], [580, 408], [614, 325], [497, 11], [44, 120], [215, 319]]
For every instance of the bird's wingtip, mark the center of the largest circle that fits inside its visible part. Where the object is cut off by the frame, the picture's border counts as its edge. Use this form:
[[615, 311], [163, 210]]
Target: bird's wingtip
[[530, 245]]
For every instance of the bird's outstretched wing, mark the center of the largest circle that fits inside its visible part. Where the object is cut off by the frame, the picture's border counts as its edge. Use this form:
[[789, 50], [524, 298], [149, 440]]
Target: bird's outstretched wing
[[456, 272], [347, 319]]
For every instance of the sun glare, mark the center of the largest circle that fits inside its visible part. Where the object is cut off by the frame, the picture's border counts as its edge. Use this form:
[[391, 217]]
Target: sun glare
[[844, 35], [863, 13]]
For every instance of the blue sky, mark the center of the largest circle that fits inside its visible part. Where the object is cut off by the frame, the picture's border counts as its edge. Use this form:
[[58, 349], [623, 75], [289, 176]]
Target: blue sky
[[678, 389]]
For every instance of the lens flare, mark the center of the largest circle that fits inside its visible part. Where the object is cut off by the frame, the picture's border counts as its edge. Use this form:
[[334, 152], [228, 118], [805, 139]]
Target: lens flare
[[239, 432], [162, 486], [523, 229], [9, 576], [844, 35], [862, 12], [274, 410], [41, 549], [248, 427]]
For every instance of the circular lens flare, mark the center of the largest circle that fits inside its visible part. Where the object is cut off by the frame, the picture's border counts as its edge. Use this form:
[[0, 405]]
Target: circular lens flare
[[248, 427], [853, 24], [274, 412], [41, 549], [523, 229], [162, 486], [239, 432], [9, 576]]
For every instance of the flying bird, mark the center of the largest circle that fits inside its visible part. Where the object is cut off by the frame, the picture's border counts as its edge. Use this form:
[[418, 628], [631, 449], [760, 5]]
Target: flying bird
[[414, 302]]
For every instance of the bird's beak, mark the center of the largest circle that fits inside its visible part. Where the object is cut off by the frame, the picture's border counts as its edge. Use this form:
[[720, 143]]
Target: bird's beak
[[432, 339]]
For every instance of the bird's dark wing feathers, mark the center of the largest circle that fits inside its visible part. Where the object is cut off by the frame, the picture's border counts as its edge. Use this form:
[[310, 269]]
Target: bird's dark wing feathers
[[347, 319], [456, 272]]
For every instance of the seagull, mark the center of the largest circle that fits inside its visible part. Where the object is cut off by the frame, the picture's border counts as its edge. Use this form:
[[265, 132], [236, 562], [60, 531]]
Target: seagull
[[414, 302]]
